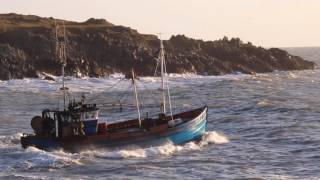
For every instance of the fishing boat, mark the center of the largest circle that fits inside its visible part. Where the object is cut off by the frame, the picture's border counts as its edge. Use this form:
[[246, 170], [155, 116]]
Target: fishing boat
[[76, 126]]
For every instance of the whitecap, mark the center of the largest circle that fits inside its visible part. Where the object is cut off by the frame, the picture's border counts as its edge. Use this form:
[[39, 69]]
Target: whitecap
[[12, 140], [292, 75], [34, 157], [93, 85], [117, 75], [213, 137], [166, 149], [264, 103]]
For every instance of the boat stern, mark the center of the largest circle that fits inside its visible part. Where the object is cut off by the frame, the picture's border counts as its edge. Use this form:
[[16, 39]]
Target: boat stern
[[28, 140]]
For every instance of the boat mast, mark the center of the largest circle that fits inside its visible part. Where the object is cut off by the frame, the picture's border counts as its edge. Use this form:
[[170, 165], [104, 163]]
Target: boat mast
[[163, 103], [56, 40], [169, 96], [61, 55], [136, 96], [63, 66]]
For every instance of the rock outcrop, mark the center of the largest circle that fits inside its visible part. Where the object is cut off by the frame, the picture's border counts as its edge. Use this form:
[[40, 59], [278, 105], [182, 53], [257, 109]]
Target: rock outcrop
[[98, 48]]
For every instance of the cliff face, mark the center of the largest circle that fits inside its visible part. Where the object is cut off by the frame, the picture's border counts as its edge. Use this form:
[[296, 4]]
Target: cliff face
[[98, 48]]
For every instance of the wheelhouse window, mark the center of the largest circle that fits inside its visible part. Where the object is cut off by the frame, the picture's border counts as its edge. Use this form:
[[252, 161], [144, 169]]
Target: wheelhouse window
[[91, 115]]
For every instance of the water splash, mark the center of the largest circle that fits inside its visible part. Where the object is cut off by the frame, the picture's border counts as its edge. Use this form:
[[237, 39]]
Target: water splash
[[214, 137], [38, 158], [32, 157], [166, 149], [12, 140], [264, 103], [292, 75], [102, 84]]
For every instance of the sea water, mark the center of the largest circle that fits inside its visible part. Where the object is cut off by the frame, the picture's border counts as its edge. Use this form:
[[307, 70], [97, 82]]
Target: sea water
[[259, 126]]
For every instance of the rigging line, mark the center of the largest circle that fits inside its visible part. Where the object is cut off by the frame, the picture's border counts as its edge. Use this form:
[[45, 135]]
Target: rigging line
[[125, 93], [150, 92], [115, 84], [125, 105], [192, 90], [144, 103]]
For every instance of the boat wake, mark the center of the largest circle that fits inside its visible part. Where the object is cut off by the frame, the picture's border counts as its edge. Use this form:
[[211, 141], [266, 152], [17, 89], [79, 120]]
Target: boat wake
[[12, 152], [32, 157], [166, 149], [55, 159], [13, 140]]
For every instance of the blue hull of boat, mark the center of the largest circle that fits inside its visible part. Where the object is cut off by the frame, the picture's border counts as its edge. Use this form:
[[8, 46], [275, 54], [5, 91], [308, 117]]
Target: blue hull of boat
[[190, 131], [180, 134], [189, 134]]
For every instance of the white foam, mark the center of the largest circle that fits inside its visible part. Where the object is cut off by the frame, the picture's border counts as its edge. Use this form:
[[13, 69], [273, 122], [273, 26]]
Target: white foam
[[213, 137], [117, 75], [292, 75], [12, 140], [166, 149], [92, 85], [34, 157], [264, 103]]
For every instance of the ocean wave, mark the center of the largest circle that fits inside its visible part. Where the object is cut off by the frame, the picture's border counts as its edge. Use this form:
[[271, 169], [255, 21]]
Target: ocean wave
[[96, 85], [292, 75], [34, 157], [12, 140], [264, 103], [166, 149]]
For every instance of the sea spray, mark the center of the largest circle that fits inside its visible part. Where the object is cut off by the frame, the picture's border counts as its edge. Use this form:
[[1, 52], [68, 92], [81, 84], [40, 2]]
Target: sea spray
[[166, 149], [58, 158], [213, 137], [31, 157], [97, 85], [264, 103], [10, 140]]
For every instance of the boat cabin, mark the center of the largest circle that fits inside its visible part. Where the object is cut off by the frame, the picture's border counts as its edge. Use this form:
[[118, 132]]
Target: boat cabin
[[77, 120]]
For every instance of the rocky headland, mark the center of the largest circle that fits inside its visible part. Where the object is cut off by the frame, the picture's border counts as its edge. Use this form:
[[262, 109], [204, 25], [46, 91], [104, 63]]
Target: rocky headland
[[98, 48]]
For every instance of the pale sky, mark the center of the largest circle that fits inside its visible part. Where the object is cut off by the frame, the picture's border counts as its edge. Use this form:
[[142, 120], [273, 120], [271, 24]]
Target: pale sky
[[269, 23]]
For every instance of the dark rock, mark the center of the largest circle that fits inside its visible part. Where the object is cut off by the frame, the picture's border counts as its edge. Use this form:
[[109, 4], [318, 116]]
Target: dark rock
[[98, 48]]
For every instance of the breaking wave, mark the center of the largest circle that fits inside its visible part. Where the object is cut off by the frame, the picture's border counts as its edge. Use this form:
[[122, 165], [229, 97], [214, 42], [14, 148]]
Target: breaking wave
[[32, 157], [102, 84], [13, 140], [165, 149], [264, 103], [35, 158]]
